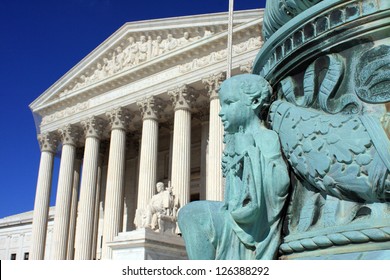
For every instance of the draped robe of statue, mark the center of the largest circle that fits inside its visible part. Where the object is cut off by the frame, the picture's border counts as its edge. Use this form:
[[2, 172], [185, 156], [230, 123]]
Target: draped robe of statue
[[247, 225]]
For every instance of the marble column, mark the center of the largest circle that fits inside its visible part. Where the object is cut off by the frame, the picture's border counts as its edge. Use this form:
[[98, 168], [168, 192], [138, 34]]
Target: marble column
[[69, 138], [204, 118], [148, 155], [48, 143], [113, 215], [131, 180], [84, 229], [182, 97], [74, 204], [215, 186], [99, 196]]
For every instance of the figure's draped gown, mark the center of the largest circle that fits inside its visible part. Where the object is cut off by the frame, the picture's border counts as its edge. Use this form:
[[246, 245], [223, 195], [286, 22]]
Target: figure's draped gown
[[247, 225]]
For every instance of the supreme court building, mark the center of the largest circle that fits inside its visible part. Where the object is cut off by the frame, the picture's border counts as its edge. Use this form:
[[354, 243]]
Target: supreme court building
[[139, 109]]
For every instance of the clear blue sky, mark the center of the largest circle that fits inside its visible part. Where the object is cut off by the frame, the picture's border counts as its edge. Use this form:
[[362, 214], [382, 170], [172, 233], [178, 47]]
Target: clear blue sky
[[40, 40]]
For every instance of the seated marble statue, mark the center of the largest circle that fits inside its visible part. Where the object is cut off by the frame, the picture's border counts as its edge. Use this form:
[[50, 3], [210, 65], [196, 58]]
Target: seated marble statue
[[160, 211], [248, 223]]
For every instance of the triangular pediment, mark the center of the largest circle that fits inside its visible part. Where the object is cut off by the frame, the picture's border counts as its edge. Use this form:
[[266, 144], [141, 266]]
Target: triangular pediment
[[137, 50]]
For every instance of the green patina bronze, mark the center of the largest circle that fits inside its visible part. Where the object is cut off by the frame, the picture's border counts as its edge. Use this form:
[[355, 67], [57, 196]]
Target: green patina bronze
[[307, 155], [248, 224]]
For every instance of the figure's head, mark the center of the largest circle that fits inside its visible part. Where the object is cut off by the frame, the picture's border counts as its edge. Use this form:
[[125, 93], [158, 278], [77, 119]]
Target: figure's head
[[242, 99], [159, 187]]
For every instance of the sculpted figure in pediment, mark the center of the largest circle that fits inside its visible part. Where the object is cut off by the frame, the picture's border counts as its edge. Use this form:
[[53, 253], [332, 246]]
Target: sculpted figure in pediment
[[184, 40], [98, 73], [208, 33], [131, 52], [170, 43], [143, 48], [119, 59], [83, 81], [157, 47], [108, 66]]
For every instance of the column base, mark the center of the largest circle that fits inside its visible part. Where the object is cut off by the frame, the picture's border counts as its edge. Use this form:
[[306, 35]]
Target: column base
[[145, 244]]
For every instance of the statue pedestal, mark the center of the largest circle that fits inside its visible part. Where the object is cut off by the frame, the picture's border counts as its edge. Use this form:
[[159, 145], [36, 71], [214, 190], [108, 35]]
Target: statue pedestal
[[145, 244]]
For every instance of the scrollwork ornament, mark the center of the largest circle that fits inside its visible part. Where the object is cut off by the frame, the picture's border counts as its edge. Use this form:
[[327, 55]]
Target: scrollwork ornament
[[372, 76], [48, 142], [322, 92], [150, 107], [70, 135], [119, 118], [182, 97], [93, 127], [213, 82]]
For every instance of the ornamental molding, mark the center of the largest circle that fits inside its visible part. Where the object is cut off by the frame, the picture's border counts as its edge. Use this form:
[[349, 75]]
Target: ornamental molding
[[212, 84], [308, 30], [79, 107], [183, 97], [342, 238], [69, 135], [197, 63], [119, 118], [93, 127], [150, 107], [48, 142]]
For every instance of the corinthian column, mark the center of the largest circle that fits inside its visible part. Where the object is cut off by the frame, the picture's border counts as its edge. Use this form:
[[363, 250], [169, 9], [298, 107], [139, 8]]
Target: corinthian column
[[214, 189], [115, 178], [203, 117], [148, 156], [84, 229], [99, 196], [69, 137], [48, 143], [74, 203], [181, 153]]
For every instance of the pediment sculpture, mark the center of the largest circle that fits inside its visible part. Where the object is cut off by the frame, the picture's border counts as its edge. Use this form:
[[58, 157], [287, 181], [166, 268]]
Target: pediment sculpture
[[132, 53]]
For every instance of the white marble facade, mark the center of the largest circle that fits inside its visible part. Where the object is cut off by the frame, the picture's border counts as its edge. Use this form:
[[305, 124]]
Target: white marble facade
[[139, 109]]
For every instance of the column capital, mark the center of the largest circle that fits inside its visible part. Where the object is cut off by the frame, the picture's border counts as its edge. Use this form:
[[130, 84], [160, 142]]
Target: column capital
[[48, 142], [119, 118], [182, 97], [93, 127], [70, 135], [150, 107], [212, 84]]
